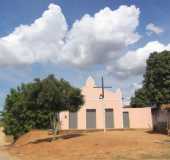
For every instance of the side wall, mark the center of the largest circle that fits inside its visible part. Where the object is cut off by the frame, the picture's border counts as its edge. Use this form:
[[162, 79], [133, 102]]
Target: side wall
[[64, 116], [91, 95], [159, 118], [139, 117], [64, 120]]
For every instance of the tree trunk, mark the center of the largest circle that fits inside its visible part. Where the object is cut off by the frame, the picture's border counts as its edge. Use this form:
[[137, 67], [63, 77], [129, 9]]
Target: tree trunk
[[55, 124]]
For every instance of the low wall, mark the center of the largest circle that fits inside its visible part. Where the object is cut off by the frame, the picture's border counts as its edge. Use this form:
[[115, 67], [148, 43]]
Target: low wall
[[140, 117], [160, 119]]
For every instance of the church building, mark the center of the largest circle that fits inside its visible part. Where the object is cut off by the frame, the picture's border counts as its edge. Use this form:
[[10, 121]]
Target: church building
[[108, 113]]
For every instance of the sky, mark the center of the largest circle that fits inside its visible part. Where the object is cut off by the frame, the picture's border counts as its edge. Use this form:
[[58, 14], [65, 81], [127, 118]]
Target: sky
[[76, 39]]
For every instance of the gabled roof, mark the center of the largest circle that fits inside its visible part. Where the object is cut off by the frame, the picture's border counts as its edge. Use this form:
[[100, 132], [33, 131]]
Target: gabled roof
[[90, 92], [90, 82]]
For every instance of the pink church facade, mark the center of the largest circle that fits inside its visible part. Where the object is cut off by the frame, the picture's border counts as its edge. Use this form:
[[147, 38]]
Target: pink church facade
[[109, 113]]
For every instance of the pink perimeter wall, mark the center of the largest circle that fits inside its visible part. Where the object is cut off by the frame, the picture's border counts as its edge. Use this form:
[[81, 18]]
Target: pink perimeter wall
[[138, 117]]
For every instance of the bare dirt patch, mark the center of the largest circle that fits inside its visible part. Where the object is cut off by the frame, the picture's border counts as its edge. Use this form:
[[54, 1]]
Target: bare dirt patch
[[4, 140], [2, 137], [112, 145]]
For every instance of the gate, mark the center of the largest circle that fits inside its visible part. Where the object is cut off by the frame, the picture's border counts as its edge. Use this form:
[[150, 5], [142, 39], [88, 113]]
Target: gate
[[90, 118], [125, 119], [109, 118], [72, 120]]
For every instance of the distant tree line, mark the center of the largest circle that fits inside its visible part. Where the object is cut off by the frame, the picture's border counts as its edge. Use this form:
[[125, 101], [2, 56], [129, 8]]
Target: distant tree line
[[156, 85]]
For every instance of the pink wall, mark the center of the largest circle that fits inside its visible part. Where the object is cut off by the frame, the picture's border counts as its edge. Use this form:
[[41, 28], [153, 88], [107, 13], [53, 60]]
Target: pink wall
[[139, 117]]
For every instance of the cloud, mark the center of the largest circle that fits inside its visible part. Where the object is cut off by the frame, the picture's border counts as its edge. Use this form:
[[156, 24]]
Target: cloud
[[41, 41], [152, 28], [91, 40], [134, 62], [130, 90], [136, 85], [99, 38]]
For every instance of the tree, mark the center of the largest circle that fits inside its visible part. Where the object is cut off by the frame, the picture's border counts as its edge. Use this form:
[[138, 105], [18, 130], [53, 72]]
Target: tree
[[35, 105], [156, 84], [140, 99], [58, 96]]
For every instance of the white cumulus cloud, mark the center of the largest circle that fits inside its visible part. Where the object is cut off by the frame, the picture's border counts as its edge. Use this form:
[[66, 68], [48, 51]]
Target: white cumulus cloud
[[40, 41], [134, 62], [98, 39], [152, 28], [91, 40]]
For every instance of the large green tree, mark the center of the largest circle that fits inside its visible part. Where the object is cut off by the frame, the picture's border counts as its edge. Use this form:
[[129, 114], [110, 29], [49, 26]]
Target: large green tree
[[156, 84], [157, 78], [36, 105], [140, 99]]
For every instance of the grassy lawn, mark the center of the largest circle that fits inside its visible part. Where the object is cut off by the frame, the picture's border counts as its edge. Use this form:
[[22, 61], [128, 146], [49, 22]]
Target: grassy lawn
[[112, 145]]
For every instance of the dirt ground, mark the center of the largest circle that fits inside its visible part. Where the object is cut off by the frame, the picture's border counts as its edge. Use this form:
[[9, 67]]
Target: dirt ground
[[2, 137], [4, 140], [112, 145]]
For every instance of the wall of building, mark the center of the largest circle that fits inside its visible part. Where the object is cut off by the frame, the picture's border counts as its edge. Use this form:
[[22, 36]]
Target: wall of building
[[139, 117], [160, 118], [64, 120], [112, 100], [100, 106], [159, 115]]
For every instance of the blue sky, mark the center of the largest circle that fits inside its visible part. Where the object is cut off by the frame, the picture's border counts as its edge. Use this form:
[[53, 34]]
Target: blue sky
[[144, 26]]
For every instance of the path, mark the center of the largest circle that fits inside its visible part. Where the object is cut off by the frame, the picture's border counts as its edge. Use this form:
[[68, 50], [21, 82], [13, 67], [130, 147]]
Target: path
[[2, 137], [3, 154]]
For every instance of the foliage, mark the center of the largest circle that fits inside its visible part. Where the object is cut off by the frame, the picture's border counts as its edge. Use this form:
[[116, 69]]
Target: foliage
[[156, 84], [140, 99], [31, 106]]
